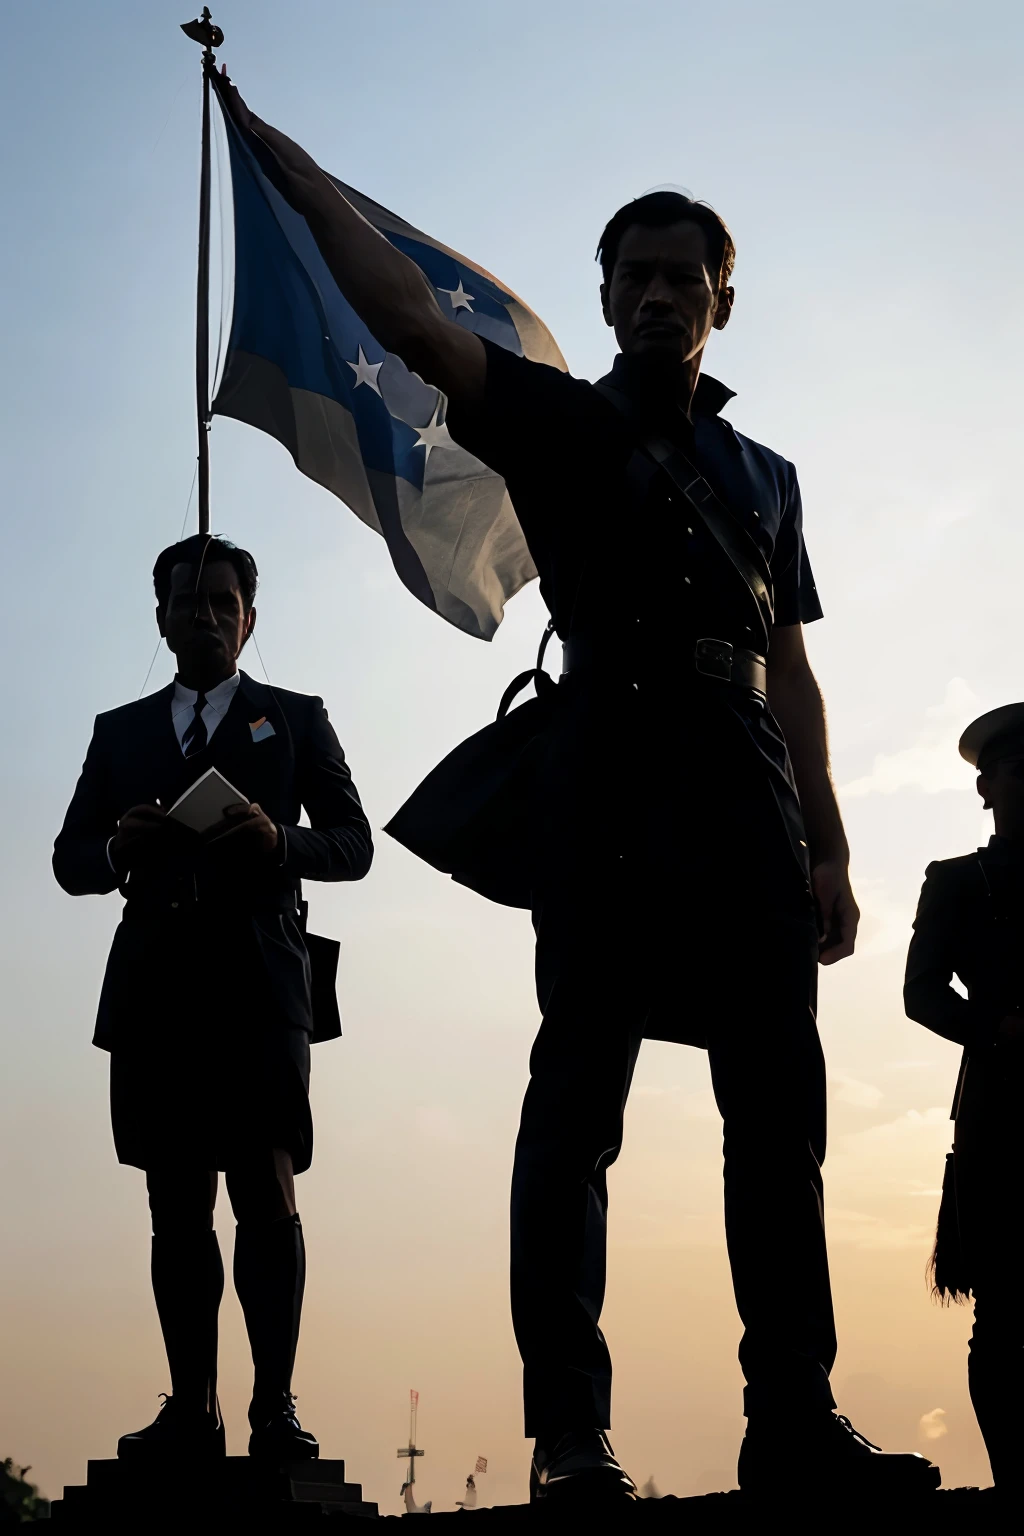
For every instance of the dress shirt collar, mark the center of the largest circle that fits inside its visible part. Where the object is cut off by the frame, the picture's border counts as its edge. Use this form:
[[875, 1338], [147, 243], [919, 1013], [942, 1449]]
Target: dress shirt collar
[[218, 698]]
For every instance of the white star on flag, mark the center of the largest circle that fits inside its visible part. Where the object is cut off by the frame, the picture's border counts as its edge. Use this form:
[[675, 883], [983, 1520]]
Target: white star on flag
[[366, 373], [459, 297], [433, 435]]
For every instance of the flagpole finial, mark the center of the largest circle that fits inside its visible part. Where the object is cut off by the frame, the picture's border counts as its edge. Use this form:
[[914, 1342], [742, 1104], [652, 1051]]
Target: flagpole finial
[[204, 31]]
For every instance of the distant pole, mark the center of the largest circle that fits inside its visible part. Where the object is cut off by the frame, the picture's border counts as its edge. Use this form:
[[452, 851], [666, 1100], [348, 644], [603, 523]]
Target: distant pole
[[205, 32], [411, 1451]]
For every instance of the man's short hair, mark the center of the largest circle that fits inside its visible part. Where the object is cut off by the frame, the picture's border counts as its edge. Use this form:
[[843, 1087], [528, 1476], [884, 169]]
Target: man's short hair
[[199, 550], [655, 210]]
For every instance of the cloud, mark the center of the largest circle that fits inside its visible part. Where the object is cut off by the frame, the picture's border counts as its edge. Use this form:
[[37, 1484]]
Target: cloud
[[849, 1090], [931, 763], [861, 1229], [932, 1426], [884, 924], [887, 1168]]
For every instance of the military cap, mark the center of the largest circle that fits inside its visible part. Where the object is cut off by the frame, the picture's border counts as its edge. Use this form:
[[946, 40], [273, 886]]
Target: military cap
[[993, 735]]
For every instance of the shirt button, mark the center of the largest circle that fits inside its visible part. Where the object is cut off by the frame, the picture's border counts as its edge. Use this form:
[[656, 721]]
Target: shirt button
[[690, 532], [756, 512], [174, 903], [687, 580]]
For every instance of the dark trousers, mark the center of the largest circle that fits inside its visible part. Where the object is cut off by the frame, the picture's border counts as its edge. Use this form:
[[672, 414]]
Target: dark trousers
[[990, 1174], [694, 959], [995, 1375]]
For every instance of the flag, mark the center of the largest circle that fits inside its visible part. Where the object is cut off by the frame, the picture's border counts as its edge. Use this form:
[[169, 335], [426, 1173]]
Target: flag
[[302, 366], [481, 1464]]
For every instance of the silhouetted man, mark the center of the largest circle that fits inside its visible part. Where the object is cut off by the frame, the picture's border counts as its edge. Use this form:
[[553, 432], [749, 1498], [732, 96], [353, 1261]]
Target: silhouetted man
[[671, 890], [213, 991], [970, 924]]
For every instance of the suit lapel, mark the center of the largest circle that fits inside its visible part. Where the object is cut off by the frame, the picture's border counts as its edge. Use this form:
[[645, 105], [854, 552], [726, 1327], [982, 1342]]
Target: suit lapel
[[156, 758], [259, 768]]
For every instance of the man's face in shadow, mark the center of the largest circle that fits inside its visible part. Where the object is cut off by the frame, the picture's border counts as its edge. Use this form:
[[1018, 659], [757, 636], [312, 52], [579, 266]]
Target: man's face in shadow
[[663, 299], [205, 622], [1001, 787]]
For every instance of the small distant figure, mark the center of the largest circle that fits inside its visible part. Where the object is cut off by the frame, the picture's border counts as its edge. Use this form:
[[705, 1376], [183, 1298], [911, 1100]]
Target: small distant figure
[[468, 1501], [970, 924], [650, 1489], [411, 1507]]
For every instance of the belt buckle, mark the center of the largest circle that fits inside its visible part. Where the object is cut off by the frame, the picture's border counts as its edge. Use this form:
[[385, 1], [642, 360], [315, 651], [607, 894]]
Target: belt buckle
[[713, 658]]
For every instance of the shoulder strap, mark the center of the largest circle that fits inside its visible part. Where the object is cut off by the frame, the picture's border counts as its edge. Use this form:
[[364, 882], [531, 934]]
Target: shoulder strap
[[724, 527]]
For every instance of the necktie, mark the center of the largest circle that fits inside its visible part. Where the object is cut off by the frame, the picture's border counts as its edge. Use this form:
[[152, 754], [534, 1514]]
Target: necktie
[[195, 738]]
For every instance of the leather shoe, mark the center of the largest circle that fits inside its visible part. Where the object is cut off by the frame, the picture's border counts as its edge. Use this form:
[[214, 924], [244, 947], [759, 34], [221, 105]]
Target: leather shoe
[[277, 1434], [176, 1433], [826, 1454], [580, 1467]]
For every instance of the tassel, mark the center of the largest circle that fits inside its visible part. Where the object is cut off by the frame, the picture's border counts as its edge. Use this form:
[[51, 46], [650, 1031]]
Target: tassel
[[947, 1269]]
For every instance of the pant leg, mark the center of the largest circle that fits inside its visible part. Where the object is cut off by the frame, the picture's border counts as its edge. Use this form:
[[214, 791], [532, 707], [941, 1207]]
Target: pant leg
[[769, 1080], [995, 1372], [581, 1067], [188, 1280]]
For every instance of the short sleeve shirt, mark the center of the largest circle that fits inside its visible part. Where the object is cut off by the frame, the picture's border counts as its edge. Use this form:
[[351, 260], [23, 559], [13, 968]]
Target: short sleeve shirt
[[563, 448]]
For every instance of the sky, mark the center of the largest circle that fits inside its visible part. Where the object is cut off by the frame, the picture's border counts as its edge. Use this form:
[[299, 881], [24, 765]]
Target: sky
[[868, 159]]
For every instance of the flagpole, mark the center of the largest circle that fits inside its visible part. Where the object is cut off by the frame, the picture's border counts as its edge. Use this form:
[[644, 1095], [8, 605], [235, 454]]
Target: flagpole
[[203, 30]]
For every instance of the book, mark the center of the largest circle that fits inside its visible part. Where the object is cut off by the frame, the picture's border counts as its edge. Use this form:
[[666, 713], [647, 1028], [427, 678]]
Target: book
[[202, 806]]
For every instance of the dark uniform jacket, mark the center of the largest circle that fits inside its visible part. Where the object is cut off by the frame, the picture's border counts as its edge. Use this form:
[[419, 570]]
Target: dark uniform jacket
[[969, 924], [633, 573], [135, 758]]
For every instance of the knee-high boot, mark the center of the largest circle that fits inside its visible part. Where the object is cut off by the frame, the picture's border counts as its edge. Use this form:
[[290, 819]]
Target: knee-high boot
[[188, 1282], [270, 1277]]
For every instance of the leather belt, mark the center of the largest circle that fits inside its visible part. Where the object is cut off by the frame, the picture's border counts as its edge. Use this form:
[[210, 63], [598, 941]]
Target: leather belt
[[717, 660], [184, 902]]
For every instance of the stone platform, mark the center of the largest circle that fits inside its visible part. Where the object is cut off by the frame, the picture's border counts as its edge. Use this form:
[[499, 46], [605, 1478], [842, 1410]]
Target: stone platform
[[233, 1493], [243, 1497]]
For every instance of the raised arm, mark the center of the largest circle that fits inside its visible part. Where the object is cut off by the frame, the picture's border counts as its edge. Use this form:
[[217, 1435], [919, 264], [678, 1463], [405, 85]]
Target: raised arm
[[796, 703], [385, 288]]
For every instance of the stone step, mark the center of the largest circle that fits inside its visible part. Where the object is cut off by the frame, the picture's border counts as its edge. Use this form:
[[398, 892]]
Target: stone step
[[236, 1475], [228, 1488]]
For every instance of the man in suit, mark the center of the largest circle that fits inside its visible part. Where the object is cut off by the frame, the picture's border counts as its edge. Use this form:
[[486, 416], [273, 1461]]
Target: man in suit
[[213, 990], [690, 859], [970, 924]]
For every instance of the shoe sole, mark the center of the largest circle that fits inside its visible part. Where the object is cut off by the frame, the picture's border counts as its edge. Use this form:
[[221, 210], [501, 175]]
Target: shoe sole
[[585, 1488], [284, 1459], [170, 1453]]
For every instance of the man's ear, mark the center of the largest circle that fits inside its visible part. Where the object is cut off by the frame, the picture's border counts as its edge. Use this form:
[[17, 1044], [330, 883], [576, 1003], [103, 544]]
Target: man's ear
[[250, 624], [984, 785], [160, 622], [604, 304], [723, 308]]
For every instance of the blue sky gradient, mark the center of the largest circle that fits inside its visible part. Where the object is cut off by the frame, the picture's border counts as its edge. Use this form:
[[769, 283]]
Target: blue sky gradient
[[868, 159]]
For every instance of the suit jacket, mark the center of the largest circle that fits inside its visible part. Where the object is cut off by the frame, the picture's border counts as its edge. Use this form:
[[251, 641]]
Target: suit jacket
[[969, 923], [135, 758]]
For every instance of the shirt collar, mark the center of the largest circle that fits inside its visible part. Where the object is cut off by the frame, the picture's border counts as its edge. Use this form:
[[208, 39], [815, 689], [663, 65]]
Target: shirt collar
[[1008, 849], [219, 698], [709, 398]]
